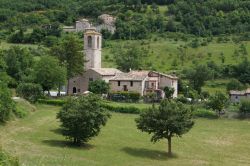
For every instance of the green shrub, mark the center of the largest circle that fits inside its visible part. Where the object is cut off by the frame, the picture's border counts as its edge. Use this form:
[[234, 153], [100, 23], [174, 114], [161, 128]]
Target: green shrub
[[203, 113], [29, 91], [244, 106], [130, 109], [124, 96], [7, 160], [7, 105], [56, 102]]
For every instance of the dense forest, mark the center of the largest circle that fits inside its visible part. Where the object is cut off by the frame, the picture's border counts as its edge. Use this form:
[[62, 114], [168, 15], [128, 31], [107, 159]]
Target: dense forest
[[136, 18]]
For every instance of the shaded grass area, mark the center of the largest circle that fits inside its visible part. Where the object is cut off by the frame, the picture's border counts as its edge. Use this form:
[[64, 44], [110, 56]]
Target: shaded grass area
[[36, 141]]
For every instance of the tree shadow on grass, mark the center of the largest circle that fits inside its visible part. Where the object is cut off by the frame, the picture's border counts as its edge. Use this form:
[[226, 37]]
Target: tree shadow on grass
[[68, 144], [148, 153]]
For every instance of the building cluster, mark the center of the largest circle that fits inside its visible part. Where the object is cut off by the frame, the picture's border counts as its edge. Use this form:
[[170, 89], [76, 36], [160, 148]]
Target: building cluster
[[106, 22], [140, 81]]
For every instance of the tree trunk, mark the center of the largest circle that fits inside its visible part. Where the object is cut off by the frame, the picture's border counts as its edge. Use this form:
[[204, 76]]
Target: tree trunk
[[169, 146], [59, 90], [68, 88]]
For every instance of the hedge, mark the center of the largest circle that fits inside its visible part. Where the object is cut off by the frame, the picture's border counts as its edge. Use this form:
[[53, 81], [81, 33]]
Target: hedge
[[130, 109], [52, 102], [124, 96]]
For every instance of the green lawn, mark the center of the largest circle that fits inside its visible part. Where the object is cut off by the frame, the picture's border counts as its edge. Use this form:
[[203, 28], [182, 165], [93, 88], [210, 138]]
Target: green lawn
[[35, 140]]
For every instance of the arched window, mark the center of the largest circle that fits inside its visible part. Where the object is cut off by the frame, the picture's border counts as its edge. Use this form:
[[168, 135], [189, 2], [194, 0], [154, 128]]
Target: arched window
[[98, 42], [74, 90], [89, 41]]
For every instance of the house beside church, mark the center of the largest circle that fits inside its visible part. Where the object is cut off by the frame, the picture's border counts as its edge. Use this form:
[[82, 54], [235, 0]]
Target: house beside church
[[140, 81]]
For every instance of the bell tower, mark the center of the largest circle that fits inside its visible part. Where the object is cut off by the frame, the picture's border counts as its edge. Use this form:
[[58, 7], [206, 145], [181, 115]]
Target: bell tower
[[92, 49]]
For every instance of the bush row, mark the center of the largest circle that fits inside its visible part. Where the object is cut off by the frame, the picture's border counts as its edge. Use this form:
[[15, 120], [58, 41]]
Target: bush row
[[52, 102], [124, 96], [130, 109]]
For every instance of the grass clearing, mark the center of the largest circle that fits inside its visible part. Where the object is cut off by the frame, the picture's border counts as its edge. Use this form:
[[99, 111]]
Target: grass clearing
[[35, 140]]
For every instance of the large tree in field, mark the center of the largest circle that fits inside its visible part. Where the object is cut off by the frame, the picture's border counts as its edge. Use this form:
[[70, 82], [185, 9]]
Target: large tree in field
[[49, 73], [169, 120], [81, 118], [69, 52]]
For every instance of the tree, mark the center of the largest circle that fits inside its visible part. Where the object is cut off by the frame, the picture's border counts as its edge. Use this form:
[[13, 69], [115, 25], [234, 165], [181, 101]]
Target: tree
[[49, 73], [244, 106], [29, 91], [234, 84], [18, 62], [169, 120], [81, 118], [69, 52], [169, 91], [129, 57], [99, 87], [198, 76], [7, 105], [217, 102]]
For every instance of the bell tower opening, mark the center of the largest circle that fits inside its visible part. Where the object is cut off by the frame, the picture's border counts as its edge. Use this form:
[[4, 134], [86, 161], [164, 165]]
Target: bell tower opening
[[89, 41]]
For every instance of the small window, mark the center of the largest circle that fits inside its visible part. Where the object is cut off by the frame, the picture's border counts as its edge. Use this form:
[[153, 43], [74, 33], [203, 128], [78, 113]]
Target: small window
[[152, 84], [79, 90], [131, 83], [119, 83], [90, 79]]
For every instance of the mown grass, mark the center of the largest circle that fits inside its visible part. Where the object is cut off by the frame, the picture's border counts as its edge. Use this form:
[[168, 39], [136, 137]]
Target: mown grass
[[36, 141]]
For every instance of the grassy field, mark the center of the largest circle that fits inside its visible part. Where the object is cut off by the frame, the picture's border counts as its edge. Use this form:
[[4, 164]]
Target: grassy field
[[36, 141]]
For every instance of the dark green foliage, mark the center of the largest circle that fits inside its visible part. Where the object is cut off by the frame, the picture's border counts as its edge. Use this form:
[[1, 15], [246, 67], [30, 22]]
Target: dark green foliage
[[120, 109], [244, 106], [214, 17], [19, 62], [7, 105], [217, 102], [242, 71], [29, 91], [124, 96], [49, 73], [69, 51], [197, 76], [99, 87], [151, 97], [81, 118], [169, 120], [234, 84], [168, 92], [57, 102], [129, 57], [7, 160]]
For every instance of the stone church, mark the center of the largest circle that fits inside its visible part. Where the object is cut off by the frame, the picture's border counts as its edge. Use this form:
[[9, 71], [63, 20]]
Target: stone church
[[140, 81]]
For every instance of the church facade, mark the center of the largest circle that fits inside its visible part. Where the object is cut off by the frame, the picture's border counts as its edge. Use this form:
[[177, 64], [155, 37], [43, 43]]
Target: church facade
[[140, 81]]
